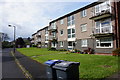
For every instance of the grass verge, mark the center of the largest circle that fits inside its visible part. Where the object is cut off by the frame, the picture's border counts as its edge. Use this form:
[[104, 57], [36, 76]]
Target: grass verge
[[91, 66]]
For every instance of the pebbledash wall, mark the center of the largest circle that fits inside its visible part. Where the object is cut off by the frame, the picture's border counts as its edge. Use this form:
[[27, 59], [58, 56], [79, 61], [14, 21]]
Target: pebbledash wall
[[94, 26]]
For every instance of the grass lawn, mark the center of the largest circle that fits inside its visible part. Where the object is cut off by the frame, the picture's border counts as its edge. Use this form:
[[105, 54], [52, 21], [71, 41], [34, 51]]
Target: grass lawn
[[91, 66]]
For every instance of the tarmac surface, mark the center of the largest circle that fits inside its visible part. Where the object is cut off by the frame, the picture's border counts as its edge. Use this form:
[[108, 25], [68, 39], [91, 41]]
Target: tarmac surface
[[10, 69], [37, 70]]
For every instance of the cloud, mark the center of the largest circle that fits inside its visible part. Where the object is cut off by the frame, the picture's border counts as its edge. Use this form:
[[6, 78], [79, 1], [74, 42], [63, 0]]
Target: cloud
[[28, 17], [50, 0]]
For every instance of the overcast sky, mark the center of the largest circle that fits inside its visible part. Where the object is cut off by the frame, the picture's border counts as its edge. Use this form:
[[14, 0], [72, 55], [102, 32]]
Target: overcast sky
[[29, 16]]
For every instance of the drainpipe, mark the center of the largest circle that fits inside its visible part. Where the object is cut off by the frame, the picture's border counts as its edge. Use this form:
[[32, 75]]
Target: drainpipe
[[116, 24]]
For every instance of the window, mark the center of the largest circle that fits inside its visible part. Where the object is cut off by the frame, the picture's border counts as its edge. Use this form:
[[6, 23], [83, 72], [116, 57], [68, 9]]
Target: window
[[105, 6], [46, 45], [54, 44], [53, 25], [104, 43], [70, 20], [61, 32], [84, 27], [46, 38], [46, 31], [61, 43], [71, 33], [104, 26], [53, 34], [84, 42], [61, 21], [83, 13]]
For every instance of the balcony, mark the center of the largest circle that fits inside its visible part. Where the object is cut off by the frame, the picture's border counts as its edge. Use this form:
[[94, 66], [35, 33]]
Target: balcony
[[52, 28], [53, 38], [102, 32], [32, 41], [38, 35], [38, 40], [102, 14]]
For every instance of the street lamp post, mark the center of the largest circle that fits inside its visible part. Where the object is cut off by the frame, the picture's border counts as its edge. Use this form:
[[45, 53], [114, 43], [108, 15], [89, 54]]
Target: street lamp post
[[14, 36]]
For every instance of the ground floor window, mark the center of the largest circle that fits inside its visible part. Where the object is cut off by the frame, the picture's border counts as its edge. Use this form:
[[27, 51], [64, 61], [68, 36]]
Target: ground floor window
[[46, 45], [104, 42], [54, 44], [84, 43], [61, 43], [71, 44]]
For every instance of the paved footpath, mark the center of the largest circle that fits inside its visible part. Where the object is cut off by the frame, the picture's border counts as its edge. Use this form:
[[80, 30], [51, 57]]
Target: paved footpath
[[37, 70], [10, 70]]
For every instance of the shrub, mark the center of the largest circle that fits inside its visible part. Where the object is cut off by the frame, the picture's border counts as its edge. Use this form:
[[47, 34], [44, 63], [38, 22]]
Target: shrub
[[62, 50], [34, 45], [77, 51], [52, 49], [116, 52]]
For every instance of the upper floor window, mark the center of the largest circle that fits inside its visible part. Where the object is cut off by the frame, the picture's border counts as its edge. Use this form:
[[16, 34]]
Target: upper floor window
[[53, 25], [61, 32], [84, 27], [61, 21], [71, 33], [46, 31], [70, 20], [83, 13], [103, 26], [54, 34], [103, 7], [46, 38]]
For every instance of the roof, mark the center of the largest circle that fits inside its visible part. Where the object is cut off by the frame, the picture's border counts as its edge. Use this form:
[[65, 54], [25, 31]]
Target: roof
[[34, 34], [78, 10], [39, 30], [42, 29]]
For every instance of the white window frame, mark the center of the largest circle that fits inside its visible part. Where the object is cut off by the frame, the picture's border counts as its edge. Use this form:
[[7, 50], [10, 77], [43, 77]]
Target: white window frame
[[60, 32], [98, 41], [71, 21], [84, 13], [54, 45], [71, 34], [84, 43], [53, 34], [101, 29], [46, 31], [53, 25], [62, 21], [61, 43], [102, 7], [46, 38], [83, 27]]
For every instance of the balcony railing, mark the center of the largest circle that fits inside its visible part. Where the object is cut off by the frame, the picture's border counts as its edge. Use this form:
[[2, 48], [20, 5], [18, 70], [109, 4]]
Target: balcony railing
[[52, 28], [52, 38], [102, 14], [103, 31], [38, 35]]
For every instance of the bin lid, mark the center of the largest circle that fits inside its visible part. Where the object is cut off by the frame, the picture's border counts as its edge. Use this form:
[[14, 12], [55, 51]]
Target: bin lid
[[66, 64], [52, 62]]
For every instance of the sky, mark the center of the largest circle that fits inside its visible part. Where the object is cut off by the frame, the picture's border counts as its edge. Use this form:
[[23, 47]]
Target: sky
[[29, 16]]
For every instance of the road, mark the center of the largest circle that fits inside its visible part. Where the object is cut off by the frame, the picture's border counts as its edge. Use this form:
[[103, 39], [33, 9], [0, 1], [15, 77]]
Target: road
[[10, 69]]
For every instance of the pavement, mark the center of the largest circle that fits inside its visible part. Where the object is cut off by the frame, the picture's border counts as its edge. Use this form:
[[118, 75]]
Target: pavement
[[37, 70], [10, 69]]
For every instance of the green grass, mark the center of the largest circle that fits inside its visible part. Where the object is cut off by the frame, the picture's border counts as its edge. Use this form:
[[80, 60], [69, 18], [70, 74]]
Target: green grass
[[36, 51], [91, 66]]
